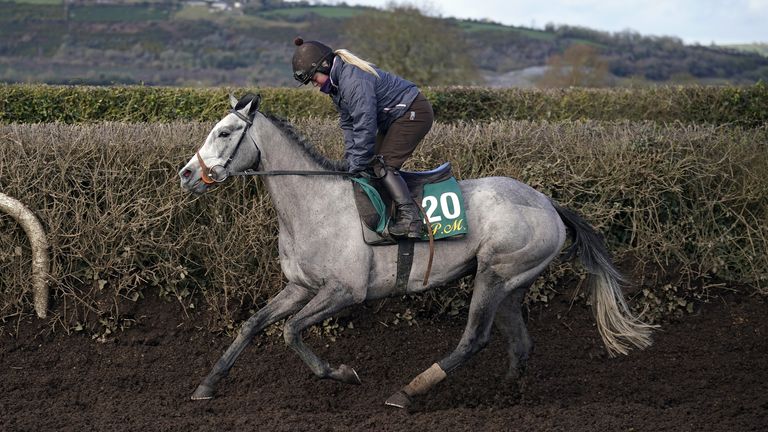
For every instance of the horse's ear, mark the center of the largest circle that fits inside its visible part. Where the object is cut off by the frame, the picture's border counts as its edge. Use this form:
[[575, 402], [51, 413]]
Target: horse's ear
[[248, 104], [232, 101], [254, 105]]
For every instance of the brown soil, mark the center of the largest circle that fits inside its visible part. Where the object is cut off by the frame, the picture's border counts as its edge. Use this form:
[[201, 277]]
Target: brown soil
[[708, 371]]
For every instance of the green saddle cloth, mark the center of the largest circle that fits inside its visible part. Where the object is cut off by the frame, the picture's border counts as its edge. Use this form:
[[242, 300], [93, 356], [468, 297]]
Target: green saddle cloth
[[441, 201]]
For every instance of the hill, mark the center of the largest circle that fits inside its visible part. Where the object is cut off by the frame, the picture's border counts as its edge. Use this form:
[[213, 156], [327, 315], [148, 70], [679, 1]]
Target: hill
[[207, 42], [759, 48]]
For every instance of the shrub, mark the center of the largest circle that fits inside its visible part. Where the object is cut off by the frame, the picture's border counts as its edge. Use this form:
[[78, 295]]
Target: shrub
[[684, 204], [746, 106]]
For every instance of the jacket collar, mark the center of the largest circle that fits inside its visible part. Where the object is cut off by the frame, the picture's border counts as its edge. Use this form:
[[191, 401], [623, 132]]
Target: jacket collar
[[331, 86], [336, 70]]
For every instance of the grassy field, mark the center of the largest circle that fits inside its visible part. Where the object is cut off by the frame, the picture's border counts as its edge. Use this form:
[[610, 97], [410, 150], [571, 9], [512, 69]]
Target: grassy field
[[474, 26], [760, 48], [120, 13], [197, 13], [19, 15], [323, 11], [37, 2]]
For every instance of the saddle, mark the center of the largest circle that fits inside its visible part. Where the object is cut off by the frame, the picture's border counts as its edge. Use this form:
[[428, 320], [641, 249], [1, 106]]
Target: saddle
[[437, 192]]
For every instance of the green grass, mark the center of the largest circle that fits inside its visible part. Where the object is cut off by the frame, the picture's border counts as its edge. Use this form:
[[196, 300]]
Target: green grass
[[201, 13], [323, 11], [475, 26], [38, 2], [14, 13], [590, 43], [119, 13], [759, 48], [193, 13]]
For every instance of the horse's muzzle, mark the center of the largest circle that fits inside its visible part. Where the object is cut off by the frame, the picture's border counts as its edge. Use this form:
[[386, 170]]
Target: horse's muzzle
[[191, 181]]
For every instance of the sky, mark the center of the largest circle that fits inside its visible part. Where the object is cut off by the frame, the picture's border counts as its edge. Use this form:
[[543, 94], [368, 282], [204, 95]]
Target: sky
[[693, 21]]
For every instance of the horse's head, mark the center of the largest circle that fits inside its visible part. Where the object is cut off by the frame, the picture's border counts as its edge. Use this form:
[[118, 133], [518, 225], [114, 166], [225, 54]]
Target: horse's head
[[229, 148]]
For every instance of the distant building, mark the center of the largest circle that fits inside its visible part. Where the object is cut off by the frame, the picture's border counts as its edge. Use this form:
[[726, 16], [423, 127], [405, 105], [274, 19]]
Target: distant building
[[219, 6], [212, 5]]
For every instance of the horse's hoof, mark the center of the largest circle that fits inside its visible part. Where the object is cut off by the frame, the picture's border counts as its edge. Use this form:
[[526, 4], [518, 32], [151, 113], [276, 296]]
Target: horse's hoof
[[516, 373], [347, 375], [513, 375], [203, 392], [399, 400]]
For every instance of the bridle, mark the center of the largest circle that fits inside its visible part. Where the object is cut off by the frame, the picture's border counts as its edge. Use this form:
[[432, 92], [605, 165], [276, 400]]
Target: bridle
[[214, 174], [218, 173]]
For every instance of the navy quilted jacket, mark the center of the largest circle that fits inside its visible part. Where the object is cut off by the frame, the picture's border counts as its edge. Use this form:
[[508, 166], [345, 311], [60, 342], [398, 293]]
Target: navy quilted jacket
[[367, 104]]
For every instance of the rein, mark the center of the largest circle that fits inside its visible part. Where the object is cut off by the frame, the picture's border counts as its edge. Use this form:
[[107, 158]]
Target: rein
[[288, 172]]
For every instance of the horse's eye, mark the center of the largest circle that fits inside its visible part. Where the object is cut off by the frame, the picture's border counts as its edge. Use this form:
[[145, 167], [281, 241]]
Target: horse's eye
[[223, 134]]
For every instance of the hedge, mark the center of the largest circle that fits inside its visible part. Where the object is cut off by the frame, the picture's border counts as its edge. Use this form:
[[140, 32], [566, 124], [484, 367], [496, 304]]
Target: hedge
[[747, 106], [683, 207]]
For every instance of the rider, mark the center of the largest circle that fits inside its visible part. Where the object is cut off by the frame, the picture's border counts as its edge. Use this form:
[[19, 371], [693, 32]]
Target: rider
[[383, 118]]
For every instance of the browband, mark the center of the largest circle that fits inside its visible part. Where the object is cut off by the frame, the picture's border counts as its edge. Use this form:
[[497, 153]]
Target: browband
[[242, 117]]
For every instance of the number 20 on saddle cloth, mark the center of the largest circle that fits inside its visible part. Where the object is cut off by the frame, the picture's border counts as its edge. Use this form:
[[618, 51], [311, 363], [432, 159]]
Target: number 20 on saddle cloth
[[437, 192]]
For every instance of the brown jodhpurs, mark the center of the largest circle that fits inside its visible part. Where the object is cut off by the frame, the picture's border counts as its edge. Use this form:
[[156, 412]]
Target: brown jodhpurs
[[397, 145]]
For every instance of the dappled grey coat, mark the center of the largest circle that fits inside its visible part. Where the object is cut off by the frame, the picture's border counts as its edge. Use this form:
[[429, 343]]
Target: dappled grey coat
[[367, 104]]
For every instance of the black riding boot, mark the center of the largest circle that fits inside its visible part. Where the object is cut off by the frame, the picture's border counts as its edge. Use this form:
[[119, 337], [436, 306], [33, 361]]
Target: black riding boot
[[407, 221]]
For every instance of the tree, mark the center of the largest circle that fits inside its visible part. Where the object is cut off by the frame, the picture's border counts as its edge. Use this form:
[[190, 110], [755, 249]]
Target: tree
[[579, 66], [404, 41]]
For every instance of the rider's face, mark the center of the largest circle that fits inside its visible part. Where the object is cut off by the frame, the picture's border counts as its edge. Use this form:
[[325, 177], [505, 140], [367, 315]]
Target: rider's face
[[319, 79]]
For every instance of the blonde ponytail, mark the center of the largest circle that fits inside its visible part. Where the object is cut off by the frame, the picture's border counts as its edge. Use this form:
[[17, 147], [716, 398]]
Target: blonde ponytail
[[354, 60]]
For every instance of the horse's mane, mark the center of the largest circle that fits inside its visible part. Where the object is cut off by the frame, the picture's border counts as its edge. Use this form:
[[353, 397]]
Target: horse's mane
[[288, 129]]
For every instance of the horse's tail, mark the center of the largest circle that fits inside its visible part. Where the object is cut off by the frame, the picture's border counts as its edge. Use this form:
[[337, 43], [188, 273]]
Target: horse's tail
[[618, 327]]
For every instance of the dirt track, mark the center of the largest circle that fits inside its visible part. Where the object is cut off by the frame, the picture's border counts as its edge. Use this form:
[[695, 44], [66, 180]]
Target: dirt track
[[707, 372]]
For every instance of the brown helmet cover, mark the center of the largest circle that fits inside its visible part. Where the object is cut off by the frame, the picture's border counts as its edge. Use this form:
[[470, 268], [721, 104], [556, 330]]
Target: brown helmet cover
[[309, 58]]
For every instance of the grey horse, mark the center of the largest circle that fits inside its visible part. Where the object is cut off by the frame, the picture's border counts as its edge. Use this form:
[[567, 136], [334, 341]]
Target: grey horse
[[514, 233]]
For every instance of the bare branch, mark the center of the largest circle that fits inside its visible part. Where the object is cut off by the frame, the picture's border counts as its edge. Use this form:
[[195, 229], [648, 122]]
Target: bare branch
[[39, 243]]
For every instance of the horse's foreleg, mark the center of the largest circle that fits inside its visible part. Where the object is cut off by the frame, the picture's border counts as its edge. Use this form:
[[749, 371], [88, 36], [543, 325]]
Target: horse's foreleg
[[326, 303], [288, 301]]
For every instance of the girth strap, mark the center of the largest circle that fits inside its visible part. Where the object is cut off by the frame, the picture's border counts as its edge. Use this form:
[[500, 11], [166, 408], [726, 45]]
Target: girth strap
[[404, 263]]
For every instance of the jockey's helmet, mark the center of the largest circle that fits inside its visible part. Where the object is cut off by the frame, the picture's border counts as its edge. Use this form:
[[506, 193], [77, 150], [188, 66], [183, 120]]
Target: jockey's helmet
[[309, 58]]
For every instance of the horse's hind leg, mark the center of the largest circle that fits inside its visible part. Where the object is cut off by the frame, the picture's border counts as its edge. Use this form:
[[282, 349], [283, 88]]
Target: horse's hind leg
[[286, 302], [509, 320], [487, 293], [490, 292]]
